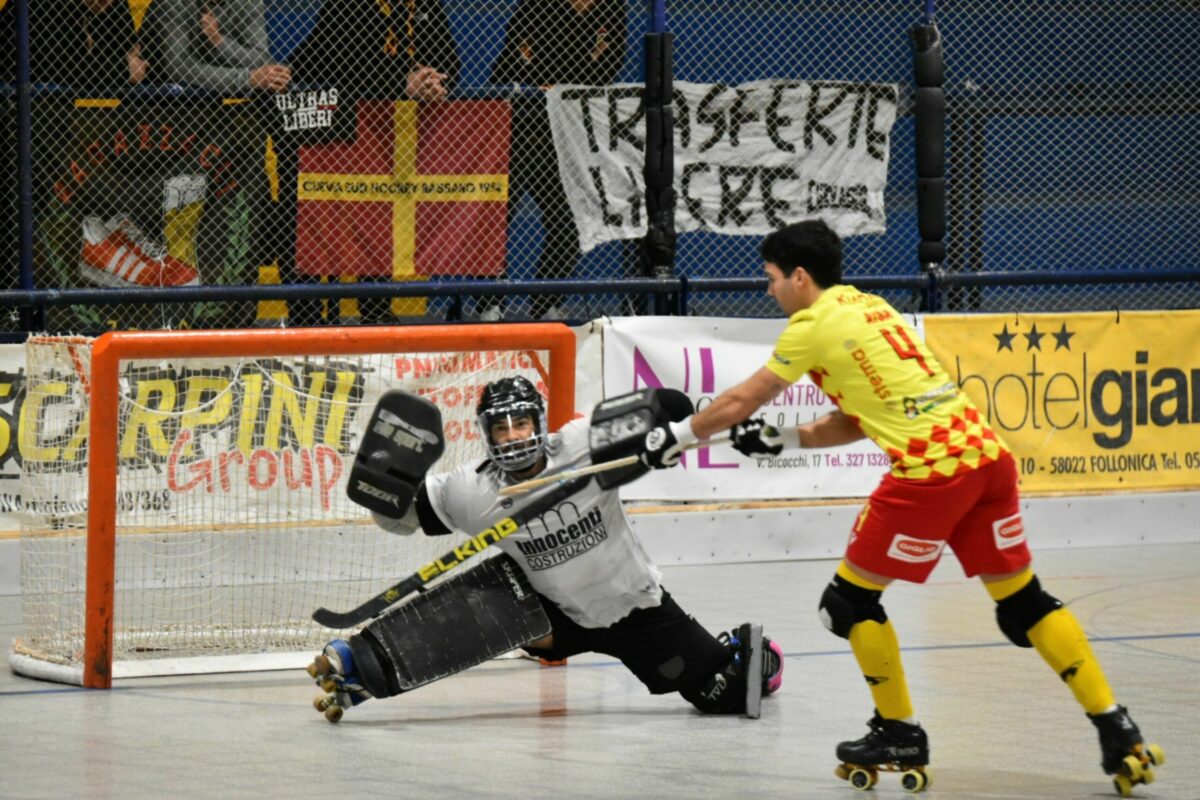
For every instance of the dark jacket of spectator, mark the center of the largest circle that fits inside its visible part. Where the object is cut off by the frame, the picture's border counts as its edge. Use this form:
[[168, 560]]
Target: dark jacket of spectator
[[367, 48], [548, 42], [84, 44]]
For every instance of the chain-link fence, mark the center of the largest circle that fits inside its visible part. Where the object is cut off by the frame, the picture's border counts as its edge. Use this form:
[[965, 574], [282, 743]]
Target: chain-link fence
[[183, 143], [1070, 139]]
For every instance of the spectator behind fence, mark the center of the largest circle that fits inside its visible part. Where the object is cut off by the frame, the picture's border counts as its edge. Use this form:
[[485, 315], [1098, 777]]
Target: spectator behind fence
[[382, 49], [219, 45], [373, 49], [548, 42], [89, 46]]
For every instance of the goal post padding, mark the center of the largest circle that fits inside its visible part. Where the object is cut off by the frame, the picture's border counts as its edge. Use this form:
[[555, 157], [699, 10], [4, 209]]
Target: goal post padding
[[211, 518]]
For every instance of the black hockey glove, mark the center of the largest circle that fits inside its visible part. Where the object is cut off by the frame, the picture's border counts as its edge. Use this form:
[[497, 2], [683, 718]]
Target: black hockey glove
[[756, 438], [663, 445]]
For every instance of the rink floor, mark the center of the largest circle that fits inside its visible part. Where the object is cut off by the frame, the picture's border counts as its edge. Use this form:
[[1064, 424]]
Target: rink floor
[[1001, 723]]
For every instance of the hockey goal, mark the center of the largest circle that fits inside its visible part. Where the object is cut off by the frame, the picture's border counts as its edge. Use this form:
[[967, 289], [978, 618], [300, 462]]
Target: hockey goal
[[183, 493]]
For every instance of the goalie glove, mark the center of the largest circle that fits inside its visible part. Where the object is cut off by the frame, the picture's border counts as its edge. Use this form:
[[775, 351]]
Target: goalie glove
[[663, 445], [402, 440], [757, 439], [406, 525]]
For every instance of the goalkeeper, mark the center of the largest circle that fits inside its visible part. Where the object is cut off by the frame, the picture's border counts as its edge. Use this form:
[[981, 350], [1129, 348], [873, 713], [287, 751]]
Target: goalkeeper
[[953, 482], [595, 583]]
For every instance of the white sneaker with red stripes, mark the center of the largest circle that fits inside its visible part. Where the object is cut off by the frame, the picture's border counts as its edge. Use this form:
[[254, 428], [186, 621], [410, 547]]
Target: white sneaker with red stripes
[[117, 254]]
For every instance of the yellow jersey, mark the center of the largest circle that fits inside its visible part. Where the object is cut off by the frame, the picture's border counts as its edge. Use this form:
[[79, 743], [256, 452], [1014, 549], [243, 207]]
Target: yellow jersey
[[872, 364]]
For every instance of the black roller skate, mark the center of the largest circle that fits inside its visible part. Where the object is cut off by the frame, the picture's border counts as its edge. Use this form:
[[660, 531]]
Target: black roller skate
[[1123, 753], [890, 746], [333, 670]]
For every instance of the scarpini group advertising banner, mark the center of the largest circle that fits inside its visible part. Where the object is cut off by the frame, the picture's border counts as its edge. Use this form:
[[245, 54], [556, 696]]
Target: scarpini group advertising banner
[[1088, 402], [749, 159], [703, 357], [243, 439]]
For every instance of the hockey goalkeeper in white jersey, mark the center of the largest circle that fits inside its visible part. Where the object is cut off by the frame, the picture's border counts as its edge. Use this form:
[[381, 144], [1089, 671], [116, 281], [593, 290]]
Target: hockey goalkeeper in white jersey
[[573, 577]]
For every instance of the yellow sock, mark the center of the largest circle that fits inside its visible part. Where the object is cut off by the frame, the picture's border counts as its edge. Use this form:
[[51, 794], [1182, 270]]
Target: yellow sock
[[1063, 645], [877, 650]]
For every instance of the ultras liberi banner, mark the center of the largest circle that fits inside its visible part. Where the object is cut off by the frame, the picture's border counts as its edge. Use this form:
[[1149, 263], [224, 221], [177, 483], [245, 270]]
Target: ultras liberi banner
[[1087, 402]]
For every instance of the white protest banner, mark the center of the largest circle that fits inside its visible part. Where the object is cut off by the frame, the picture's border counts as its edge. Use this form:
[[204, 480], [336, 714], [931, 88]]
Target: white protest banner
[[749, 159], [703, 357]]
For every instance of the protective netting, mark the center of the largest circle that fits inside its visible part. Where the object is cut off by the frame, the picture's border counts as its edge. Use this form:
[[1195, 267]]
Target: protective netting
[[243, 142], [1069, 138], [232, 519]]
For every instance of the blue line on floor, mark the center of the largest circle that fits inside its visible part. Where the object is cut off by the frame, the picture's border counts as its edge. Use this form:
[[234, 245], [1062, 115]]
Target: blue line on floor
[[794, 654]]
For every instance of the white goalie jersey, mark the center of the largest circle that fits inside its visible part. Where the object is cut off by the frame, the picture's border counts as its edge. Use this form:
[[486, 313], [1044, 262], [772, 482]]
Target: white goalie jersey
[[582, 554]]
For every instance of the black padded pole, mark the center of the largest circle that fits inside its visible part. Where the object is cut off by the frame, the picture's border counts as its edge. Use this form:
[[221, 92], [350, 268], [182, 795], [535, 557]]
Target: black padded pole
[[930, 143]]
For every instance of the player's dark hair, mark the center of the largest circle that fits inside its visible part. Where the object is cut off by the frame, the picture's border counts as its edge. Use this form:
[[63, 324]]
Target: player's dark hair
[[812, 245]]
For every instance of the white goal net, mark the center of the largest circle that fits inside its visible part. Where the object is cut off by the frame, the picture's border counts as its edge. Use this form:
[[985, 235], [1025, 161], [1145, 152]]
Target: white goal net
[[232, 523]]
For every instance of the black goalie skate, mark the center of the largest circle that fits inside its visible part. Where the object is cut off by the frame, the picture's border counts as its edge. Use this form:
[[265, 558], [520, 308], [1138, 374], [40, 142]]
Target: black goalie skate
[[890, 746], [1123, 753]]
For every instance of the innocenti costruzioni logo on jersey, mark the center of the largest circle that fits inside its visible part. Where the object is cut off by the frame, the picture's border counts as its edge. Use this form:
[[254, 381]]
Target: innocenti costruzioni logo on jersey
[[560, 534]]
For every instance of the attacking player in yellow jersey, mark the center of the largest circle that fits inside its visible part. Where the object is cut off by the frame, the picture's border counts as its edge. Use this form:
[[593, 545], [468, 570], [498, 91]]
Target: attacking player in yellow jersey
[[953, 482]]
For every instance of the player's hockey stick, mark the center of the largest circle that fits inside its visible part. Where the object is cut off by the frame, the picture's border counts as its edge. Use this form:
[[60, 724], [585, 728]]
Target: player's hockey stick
[[472, 547], [604, 466]]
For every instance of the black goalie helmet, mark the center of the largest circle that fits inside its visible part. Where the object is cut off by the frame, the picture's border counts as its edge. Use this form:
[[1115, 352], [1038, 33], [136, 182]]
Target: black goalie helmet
[[509, 400]]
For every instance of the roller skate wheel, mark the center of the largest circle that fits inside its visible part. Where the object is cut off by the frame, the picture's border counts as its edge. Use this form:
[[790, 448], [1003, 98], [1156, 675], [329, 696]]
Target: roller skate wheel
[[329, 685], [1156, 754], [311, 669], [862, 779], [914, 781], [1123, 785], [322, 702], [842, 772], [1131, 767], [334, 713], [320, 666], [1147, 775]]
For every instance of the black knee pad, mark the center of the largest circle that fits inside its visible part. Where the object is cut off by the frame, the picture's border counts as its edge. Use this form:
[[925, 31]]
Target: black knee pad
[[1019, 612], [844, 605], [369, 660]]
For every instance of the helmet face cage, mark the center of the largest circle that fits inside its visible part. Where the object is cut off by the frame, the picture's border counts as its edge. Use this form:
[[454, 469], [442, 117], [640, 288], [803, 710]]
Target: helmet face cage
[[507, 400]]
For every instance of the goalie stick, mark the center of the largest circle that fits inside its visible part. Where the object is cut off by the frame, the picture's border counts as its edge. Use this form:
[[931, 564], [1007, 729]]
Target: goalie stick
[[472, 547]]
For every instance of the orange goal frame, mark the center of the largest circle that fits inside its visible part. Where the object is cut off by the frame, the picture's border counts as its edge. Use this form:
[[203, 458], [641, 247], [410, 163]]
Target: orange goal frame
[[110, 349]]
